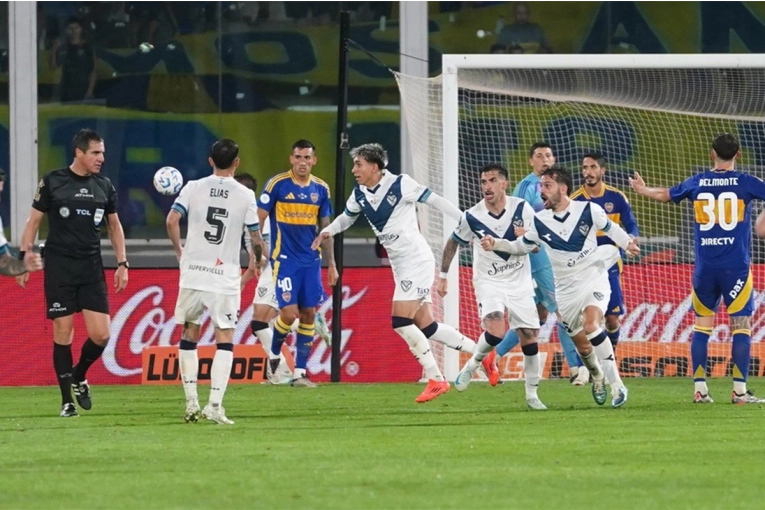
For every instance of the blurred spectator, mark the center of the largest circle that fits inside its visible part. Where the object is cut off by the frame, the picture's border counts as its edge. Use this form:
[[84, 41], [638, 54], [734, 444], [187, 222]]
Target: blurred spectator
[[151, 22], [522, 32], [498, 49], [77, 61], [47, 29]]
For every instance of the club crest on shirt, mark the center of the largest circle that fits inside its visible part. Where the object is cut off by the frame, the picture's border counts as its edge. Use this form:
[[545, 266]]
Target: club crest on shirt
[[518, 222], [64, 212], [584, 228], [609, 207], [406, 285], [598, 295], [262, 291], [314, 197], [286, 296], [392, 199]]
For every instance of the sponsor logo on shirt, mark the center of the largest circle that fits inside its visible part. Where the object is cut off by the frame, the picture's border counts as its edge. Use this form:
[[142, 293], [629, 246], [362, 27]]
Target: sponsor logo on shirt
[[205, 269], [83, 193]]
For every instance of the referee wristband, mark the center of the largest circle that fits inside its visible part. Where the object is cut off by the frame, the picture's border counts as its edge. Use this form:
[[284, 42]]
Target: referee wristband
[[443, 275]]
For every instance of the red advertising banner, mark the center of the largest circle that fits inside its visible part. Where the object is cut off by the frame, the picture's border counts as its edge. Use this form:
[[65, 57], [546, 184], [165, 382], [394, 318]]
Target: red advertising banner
[[658, 321]]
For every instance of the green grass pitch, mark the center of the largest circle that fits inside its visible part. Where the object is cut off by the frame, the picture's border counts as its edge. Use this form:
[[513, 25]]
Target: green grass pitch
[[371, 446]]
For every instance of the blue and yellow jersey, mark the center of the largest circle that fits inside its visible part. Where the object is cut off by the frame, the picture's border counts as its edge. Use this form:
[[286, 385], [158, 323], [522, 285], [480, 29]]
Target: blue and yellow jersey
[[617, 207], [530, 189], [294, 212], [722, 214]]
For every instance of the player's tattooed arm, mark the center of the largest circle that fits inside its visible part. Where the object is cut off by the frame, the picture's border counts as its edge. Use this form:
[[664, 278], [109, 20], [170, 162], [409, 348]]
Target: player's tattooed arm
[[10, 266], [450, 250], [258, 246]]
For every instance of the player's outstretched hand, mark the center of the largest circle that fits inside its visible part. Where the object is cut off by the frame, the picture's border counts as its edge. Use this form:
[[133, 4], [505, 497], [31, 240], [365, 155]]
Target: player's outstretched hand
[[632, 249], [332, 275], [637, 183], [519, 231], [443, 287], [323, 236], [22, 280], [487, 243], [33, 262], [121, 279]]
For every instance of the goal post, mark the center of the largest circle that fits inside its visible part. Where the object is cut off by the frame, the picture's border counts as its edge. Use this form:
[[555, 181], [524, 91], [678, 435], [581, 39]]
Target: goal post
[[655, 114]]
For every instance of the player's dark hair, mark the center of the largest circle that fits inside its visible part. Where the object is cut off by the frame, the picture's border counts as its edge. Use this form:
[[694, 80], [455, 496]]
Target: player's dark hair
[[82, 140], [502, 171], [223, 153], [247, 180], [538, 145], [561, 175], [725, 146], [597, 157], [303, 144], [373, 153]]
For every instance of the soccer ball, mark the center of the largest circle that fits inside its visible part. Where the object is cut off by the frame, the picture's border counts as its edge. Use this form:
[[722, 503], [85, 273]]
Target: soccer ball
[[168, 180]]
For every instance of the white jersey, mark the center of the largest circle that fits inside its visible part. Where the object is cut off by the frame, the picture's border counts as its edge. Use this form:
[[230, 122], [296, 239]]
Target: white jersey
[[478, 222], [571, 236], [216, 208], [390, 208]]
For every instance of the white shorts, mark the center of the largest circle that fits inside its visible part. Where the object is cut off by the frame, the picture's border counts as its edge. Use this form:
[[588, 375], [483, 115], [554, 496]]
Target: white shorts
[[517, 299], [223, 308], [265, 294], [414, 281], [575, 293]]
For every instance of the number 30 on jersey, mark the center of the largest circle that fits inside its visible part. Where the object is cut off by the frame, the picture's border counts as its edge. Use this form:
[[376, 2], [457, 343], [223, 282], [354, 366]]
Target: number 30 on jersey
[[725, 210]]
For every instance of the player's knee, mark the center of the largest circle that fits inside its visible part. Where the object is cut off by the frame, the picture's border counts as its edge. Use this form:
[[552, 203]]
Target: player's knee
[[543, 314], [492, 339], [591, 326], [531, 349], [401, 322], [430, 330], [100, 339], [740, 322], [612, 322]]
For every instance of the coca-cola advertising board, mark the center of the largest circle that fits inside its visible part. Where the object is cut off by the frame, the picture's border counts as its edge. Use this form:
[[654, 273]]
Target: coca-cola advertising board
[[656, 329]]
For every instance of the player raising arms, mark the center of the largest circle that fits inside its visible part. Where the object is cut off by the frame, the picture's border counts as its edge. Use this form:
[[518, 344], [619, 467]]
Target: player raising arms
[[389, 203], [295, 202], [618, 209], [569, 229], [217, 208], [723, 236], [541, 158], [501, 281]]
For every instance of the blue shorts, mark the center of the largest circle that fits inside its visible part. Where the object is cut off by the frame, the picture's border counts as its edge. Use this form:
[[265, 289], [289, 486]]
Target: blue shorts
[[732, 284], [616, 304], [544, 293], [299, 286]]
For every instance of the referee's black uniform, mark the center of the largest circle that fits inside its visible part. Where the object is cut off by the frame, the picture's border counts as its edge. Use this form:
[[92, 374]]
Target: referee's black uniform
[[77, 207]]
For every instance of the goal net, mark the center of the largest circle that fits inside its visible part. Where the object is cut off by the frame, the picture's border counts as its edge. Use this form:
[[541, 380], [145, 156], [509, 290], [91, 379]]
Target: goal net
[[656, 115]]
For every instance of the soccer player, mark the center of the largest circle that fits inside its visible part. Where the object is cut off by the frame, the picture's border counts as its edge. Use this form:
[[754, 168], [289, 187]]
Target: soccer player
[[78, 201], [721, 201], [569, 229], [389, 203], [541, 158], [295, 202], [619, 211], [11, 266], [216, 208], [502, 282], [265, 307]]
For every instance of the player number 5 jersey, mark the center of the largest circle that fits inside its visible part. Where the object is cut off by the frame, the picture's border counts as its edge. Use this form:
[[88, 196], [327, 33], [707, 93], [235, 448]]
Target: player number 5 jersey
[[215, 208], [478, 222]]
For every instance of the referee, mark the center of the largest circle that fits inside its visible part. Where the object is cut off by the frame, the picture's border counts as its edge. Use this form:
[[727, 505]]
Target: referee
[[78, 202]]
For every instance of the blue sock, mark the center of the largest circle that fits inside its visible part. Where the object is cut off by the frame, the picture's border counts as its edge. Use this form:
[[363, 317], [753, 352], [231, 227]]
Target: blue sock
[[699, 349], [506, 345], [281, 330], [303, 345], [742, 342], [569, 348], [614, 335]]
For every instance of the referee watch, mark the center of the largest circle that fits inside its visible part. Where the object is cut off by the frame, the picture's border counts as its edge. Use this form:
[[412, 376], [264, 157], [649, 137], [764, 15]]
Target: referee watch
[[123, 263]]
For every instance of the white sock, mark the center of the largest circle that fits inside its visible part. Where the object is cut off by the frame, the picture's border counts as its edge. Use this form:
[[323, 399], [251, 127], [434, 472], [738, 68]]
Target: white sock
[[702, 387], [593, 365], [738, 386], [298, 373], [482, 349], [189, 365], [533, 371], [453, 339], [420, 347], [605, 353], [266, 337], [219, 374]]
